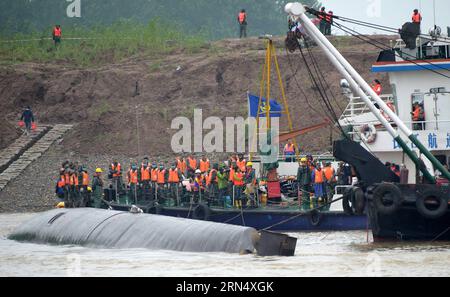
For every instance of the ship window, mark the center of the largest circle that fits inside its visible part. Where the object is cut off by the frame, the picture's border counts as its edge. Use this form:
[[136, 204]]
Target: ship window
[[418, 111]]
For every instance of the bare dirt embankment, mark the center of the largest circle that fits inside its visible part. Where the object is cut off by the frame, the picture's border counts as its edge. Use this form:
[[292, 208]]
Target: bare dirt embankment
[[101, 101]]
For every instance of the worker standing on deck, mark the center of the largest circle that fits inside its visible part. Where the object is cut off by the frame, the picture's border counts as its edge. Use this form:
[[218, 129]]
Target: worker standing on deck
[[60, 185], [57, 35], [199, 186], [241, 163], [115, 172], [163, 176], [133, 181], [323, 20], [83, 180], [289, 151], [238, 185], [377, 87], [416, 17], [318, 178], [212, 183], [417, 117], [250, 184], [192, 166], [97, 188], [204, 165], [154, 180], [242, 20], [222, 184], [304, 182], [28, 119], [329, 19], [144, 178], [182, 165], [73, 183], [330, 180], [174, 183]]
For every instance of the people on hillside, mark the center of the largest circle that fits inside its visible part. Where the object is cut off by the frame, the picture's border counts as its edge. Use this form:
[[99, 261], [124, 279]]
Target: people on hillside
[[28, 119], [242, 20], [57, 35]]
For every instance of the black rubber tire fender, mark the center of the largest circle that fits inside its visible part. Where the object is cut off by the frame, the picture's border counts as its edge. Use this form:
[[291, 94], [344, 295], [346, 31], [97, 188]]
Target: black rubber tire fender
[[358, 201], [428, 213], [378, 197], [346, 200], [315, 217], [201, 212]]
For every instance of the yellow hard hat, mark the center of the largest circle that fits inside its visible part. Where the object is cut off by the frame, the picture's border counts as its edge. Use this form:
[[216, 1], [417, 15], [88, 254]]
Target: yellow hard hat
[[89, 189], [60, 205], [98, 170], [249, 164], [303, 160]]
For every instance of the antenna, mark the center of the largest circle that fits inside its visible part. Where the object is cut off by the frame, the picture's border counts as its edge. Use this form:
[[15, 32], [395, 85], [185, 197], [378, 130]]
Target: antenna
[[434, 13]]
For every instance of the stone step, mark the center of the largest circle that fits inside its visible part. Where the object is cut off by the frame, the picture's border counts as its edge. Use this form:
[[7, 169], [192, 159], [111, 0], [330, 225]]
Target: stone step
[[24, 153]]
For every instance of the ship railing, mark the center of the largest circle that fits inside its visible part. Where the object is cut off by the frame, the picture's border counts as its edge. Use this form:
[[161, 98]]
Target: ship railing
[[357, 106], [415, 125]]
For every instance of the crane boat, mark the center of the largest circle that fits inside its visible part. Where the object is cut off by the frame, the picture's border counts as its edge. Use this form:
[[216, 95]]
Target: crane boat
[[388, 128]]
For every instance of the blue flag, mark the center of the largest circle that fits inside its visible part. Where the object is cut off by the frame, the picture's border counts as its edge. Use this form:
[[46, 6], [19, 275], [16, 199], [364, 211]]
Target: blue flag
[[253, 102]]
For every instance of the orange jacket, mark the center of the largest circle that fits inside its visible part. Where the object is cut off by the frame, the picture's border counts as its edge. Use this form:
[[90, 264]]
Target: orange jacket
[[238, 179], [192, 163], [154, 175], [241, 165], [132, 176], [329, 173], [145, 173], [242, 17], [417, 18], [182, 165], [209, 177], [204, 166], [161, 176], [174, 177], [57, 32], [61, 181], [319, 176], [85, 178], [118, 169], [377, 88]]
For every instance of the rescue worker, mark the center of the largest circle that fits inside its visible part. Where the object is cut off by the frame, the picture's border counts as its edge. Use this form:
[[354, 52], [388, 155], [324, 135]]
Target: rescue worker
[[144, 178], [174, 183], [318, 179], [329, 19], [416, 17], [222, 184], [212, 183], [238, 186], [192, 166], [73, 193], [132, 176], [154, 180], [289, 151], [304, 183], [204, 165], [115, 171], [377, 87], [198, 187], [323, 21], [161, 183], [28, 119], [182, 165], [417, 117], [97, 188], [241, 163], [57, 35], [60, 185], [242, 20], [250, 184], [83, 180], [330, 180]]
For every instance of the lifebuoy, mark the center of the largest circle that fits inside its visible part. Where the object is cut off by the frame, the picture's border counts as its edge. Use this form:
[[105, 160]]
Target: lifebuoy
[[201, 212], [368, 133], [435, 195], [315, 217], [387, 198]]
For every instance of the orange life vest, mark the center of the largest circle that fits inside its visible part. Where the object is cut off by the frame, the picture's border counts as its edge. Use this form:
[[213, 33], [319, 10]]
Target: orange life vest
[[61, 181], [241, 165], [289, 148], [319, 178], [329, 17], [377, 88], [231, 177], [145, 173], [417, 18], [242, 17], [238, 179], [161, 176], [329, 173], [67, 179], [322, 15], [181, 165], [133, 176], [57, 32], [73, 180], [416, 114], [209, 177], [118, 169], [85, 177], [192, 163], [204, 166], [173, 176], [154, 175]]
